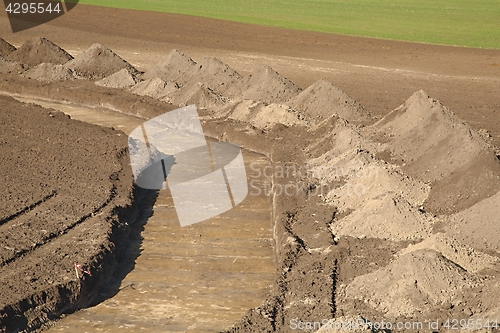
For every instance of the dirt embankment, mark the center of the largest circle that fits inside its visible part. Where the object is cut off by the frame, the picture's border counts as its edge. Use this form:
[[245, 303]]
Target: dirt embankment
[[357, 205], [66, 197]]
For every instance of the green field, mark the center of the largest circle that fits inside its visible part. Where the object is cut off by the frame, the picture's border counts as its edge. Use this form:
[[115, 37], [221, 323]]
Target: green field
[[471, 23]]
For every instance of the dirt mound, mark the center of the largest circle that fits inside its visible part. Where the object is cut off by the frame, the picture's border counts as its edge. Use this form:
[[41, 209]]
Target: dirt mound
[[432, 144], [10, 67], [50, 73], [322, 99], [155, 87], [99, 62], [478, 225], [264, 116], [213, 73], [197, 93], [429, 138], [388, 216], [6, 48], [466, 257], [121, 79], [466, 186], [413, 284], [266, 85], [39, 50], [173, 68]]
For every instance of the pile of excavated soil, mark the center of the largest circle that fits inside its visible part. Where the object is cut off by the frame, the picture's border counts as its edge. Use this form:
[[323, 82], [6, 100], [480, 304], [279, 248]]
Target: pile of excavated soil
[[373, 198], [432, 144], [39, 50], [121, 79], [50, 73], [197, 93], [213, 73], [173, 68], [479, 225], [465, 256], [6, 48], [155, 87], [10, 67], [413, 285], [98, 62], [322, 100], [266, 85], [263, 116]]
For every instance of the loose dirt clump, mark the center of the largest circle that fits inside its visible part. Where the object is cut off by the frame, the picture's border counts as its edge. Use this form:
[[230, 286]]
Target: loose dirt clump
[[413, 285], [121, 79], [155, 88], [173, 68], [39, 50], [266, 85], [50, 73], [322, 99], [6, 48], [98, 62]]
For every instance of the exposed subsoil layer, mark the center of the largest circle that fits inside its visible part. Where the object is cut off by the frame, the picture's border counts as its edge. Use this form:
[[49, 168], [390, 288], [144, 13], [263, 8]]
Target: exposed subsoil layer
[[422, 170]]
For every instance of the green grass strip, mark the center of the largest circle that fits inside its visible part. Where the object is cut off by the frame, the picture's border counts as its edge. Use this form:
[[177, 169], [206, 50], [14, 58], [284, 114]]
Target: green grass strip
[[470, 23]]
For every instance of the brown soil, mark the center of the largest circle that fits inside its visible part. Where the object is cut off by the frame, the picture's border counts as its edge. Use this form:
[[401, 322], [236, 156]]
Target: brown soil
[[338, 254], [39, 50], [50, 72], [121, 79], [6, 48], [98, 62], [58, 209]]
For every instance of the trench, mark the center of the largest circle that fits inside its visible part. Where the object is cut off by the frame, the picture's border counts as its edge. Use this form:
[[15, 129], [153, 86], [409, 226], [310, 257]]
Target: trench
[[198, 278]]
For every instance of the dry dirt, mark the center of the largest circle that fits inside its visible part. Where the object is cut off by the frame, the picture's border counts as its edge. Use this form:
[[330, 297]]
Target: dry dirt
[[396, 217]]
